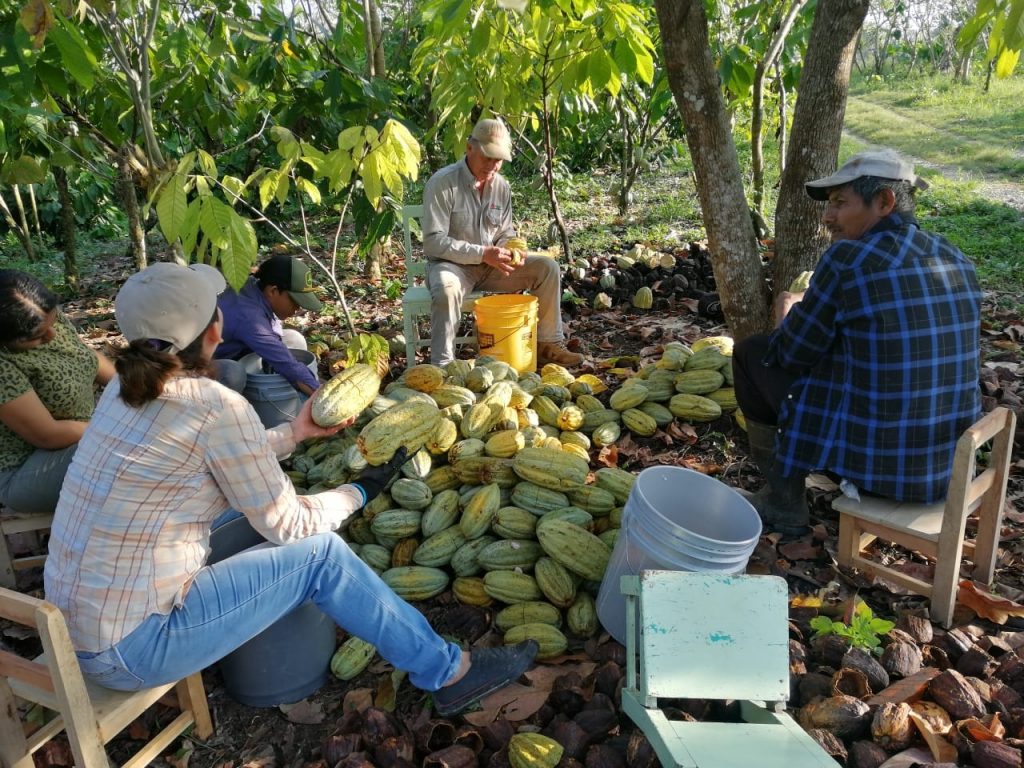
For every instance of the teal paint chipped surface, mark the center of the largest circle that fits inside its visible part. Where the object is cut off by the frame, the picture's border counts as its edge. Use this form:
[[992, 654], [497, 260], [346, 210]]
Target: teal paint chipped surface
[[721, 637]]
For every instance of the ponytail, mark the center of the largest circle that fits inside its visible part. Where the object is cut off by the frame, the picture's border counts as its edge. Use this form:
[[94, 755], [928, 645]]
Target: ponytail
[[144, 367]]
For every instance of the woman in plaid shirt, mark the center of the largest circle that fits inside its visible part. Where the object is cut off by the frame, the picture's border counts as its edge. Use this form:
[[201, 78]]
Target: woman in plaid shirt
[[872, 373], [168, 452]]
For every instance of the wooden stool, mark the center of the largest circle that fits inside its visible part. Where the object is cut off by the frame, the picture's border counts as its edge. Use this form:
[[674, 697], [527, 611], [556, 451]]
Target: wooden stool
[[90, 715], [937, 530]]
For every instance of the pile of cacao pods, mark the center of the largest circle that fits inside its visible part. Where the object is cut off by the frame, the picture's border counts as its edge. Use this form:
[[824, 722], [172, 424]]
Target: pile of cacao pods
[[498, 502]]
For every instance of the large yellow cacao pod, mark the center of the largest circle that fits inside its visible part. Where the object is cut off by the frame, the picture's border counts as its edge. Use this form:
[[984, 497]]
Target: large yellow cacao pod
[[424, 378], [407, 424], [482, 470], [569, 418], [469, 590], [505, 444], [345, 396], [444, 437], [553, 373], [532, 750], [643, 298], [554, 469], [801, 282], [476, 517], [723, 344]]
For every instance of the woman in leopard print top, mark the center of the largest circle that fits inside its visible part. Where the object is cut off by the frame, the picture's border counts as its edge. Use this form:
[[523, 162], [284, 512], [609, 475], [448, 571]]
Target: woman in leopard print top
[[46, 393]]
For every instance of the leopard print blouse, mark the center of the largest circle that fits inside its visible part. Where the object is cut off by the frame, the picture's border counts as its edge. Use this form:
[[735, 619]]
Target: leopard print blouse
[[61, 372]]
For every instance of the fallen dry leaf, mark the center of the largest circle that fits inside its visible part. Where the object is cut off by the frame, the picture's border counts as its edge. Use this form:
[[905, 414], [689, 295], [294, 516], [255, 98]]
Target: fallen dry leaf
[[941, 750], [358, 700], [305, 712], [514, 702], [801, 549], [609, 456], [986, 605]]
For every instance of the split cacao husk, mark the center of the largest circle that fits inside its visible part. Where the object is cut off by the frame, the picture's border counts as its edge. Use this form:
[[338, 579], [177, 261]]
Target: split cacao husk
[[845, 716], [830, 743], [901, 659], [952, 691], [858, 658], [892, 727], [454, 756], [851, 682], [865, 754], [994, 754]]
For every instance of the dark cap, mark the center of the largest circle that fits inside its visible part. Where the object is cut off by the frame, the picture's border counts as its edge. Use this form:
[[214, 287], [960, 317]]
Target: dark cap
[[291, 275]]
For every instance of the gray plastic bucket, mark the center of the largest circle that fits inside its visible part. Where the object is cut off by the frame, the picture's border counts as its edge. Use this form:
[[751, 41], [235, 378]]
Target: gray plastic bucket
[[287, 661], [676, 519], [271, 394]]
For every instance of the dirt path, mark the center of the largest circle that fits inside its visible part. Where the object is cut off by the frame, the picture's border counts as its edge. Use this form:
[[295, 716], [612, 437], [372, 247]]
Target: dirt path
[[994, 187]]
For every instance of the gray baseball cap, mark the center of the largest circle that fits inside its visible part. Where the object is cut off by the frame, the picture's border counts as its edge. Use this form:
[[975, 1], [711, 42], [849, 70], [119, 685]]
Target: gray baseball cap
[[494, 139], [168, 302], [883, 163]]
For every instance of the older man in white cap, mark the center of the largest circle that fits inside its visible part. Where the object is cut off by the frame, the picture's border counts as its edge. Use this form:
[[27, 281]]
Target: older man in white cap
[[872, 372], [467, 220]]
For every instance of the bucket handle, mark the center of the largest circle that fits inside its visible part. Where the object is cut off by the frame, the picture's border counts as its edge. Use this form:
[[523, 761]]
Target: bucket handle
[[514, 331]]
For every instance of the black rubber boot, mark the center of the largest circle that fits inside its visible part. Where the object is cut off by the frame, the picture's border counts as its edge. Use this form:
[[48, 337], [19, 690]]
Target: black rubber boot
[[782, 502]]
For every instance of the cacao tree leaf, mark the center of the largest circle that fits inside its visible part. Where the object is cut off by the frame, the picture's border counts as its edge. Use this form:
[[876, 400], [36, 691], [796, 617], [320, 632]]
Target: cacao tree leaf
[[76, 57], [309, 188], [190, 227], [215, 221], [37, 19], [268, 188], [350, 138], [207, 163], [171, 208], [239, 256], [24, 170]]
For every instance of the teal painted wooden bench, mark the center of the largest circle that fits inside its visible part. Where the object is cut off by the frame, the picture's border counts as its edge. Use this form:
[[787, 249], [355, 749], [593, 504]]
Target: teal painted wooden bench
[[710, 636]]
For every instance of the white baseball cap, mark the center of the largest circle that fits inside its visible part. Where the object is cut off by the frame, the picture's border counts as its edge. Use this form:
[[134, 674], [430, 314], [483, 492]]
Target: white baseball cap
[[882, 163], [493, 138], [168, 302]]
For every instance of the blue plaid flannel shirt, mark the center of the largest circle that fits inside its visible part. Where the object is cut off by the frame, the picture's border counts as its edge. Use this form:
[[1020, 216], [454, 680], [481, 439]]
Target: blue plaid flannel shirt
[[886, 340]]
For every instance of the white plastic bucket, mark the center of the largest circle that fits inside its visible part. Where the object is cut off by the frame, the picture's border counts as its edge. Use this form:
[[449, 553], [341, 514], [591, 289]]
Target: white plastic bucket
[[271, 394], [678, 520]]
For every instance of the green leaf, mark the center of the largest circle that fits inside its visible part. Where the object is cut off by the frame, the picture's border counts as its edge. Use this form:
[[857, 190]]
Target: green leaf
[[371, 179], [1006, 63], [207, 163], [350, 137], [215, 221], [309, 188], [240, 255], [190, 227], [25, 170], [171, 207], [77, 58], [268, 188], [234, 186], [283, 185]]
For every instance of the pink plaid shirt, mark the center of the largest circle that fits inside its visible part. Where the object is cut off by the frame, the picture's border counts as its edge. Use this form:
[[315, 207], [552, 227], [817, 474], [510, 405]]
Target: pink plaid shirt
[[133, 524]]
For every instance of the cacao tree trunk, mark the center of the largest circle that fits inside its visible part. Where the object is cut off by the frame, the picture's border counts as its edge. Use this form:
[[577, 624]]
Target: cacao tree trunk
[[67, 228], [126, 191], [693, 78], [815, 135], [23, 235]]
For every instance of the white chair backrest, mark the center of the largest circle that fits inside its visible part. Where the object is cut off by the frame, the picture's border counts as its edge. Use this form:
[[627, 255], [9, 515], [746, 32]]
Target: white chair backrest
[[413, 267], [713, 636]]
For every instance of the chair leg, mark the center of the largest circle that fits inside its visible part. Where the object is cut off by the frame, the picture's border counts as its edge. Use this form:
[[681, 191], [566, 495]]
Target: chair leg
[[945, 585], [411, 336], [13, 746], [192, 697], [849, 539], [7, 577], [986, 544]]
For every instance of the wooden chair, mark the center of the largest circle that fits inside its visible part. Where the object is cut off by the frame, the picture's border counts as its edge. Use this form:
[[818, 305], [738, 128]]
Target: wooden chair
[[937, 530], [12, 523], [90, 715], [416, 299], [713, 636]]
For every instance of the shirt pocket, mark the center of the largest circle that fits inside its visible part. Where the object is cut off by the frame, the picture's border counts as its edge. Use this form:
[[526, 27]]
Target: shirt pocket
[[460, 223], [494, 217]]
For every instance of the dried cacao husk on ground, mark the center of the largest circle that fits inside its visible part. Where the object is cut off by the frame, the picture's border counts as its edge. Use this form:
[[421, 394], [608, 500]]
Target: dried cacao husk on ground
[[933, 656], [951, 691], [604, 756], [469, 736], [608, 680], [994, 754], [955, 643], [340, 745], [858, 658], [640, 753], [917, 627], [830, 743], [813, 685], [866, 754], [829, 650], [976, 663], [434, 735], [497, 734], [573, 738], [901, 659], [845, 716], [453, 756], [891, 728], [851, 682]]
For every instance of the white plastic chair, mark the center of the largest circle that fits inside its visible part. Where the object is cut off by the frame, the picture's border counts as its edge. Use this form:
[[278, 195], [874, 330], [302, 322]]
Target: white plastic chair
[[713, 636], [416, 299]]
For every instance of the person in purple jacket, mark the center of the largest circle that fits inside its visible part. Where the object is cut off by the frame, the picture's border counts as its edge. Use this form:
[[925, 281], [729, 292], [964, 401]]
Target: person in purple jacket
[[281, 287]]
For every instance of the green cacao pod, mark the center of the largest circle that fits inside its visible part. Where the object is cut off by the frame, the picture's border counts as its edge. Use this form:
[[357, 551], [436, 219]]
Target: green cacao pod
[[352, 657], [483, 470], [345, 396], [514, 523], [638, 422], [538, 500], [550, 639], [437, 550], [555, 582], [699, 382], [477, 515], [408, 424], [469, 590], [396, 523], [618, 481], [375, 556], [549, 468], [662, 416], [509, 554], [533, 612], [449, 394], [545, 409], [594, 419], [511, 587], [596, 500], [589, 403], [441, 513], [581, 617], [725, 397], [411, 494], [705, 358], [628, 396], [443, 438], [606, 434], [442, 479], [479, 419], [465, 449], [464, 562], [416, 582], [575, 548], [694, 408], [571, 437]]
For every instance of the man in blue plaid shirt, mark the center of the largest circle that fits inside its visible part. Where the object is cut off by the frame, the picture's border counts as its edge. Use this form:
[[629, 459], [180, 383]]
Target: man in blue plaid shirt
[[872, 373]]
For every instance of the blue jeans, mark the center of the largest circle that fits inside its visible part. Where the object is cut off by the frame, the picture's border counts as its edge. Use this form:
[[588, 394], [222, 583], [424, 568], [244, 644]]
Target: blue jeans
[[233, 600]]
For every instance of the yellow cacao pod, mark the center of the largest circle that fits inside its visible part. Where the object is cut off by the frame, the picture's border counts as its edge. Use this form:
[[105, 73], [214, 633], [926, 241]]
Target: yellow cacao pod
[[569, 418], [643, 298], [554, 469], [345, 396], [723, 344], [424, 378], [469, 590], [476, 517], [532, 750], [550, 639], [352, 657], [408, 424], [505, 444]]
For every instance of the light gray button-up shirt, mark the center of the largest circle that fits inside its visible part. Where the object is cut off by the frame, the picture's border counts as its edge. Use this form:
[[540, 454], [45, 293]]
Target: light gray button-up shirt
[[458, 221]]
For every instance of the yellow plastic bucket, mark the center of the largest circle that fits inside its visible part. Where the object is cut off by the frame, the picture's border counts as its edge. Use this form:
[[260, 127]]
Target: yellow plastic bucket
[[506, 329]]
